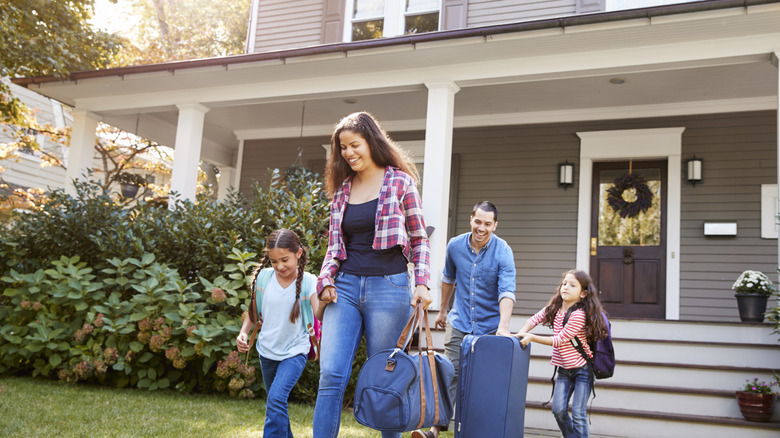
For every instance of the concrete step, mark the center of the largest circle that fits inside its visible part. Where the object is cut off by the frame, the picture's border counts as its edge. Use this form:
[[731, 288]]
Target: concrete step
[[697, 352], [671, 400], [647, 424], [721, 377]]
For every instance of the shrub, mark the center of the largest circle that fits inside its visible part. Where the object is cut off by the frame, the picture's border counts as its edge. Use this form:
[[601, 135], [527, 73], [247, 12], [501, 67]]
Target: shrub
[[136, 323]]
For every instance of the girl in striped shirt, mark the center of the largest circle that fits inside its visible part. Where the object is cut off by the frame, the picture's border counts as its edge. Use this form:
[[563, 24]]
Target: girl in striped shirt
[[578, 296]]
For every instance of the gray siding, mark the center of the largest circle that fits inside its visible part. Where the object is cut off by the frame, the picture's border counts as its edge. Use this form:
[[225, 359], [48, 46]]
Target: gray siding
[[491, 12], [739, 153], [285, 24]]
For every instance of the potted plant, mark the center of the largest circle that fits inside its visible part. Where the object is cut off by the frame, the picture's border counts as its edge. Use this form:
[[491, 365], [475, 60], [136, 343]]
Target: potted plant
[[130, 183], [757, 400], [752, 290]]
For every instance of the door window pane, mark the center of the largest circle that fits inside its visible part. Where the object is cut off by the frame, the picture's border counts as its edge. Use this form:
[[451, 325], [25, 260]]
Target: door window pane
[[643, 229]]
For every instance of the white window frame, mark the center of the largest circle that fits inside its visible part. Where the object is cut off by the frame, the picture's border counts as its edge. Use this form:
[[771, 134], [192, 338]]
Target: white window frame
[[769, 211], [394, 18]]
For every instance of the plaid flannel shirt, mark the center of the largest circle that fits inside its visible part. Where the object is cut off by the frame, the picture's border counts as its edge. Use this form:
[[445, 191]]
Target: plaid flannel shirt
[[399, 221]]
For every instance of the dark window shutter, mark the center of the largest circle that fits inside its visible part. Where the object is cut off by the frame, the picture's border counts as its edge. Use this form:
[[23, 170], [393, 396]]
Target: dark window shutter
[[332, 21], [454, 14], [585, 6]]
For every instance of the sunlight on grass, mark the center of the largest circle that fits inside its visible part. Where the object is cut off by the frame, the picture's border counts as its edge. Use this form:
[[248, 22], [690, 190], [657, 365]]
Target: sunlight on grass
[[38, 408]]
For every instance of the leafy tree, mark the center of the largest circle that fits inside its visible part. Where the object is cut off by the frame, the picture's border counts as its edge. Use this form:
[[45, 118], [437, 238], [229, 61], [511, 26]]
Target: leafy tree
[[45, 38], [48, 37], [54, 37], [172, 30]]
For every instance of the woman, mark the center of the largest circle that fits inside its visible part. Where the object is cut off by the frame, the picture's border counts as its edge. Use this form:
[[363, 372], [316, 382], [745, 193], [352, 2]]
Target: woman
[[376, 229]]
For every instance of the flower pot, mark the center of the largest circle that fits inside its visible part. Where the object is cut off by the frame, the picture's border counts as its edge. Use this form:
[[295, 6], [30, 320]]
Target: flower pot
[[751, 307], [756, 407], [129, 190]]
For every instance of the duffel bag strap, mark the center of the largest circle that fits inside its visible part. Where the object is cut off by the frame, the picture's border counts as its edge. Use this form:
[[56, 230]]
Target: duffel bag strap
[[418, 310], [432, 363], [403, 340]]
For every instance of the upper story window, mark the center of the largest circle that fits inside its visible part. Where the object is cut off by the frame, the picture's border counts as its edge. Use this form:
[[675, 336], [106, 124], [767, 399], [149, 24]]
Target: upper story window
[[372, 19]]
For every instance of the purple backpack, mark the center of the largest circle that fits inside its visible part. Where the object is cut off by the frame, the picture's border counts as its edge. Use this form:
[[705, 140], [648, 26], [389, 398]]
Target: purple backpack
[[602, 364]]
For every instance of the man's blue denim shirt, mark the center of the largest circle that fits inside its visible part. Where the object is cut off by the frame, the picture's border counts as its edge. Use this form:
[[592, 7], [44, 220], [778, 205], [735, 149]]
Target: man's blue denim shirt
[[481, 281]]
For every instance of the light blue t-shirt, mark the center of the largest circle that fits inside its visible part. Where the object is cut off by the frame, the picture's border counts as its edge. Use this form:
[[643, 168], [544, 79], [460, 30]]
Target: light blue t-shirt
[[280, 339]]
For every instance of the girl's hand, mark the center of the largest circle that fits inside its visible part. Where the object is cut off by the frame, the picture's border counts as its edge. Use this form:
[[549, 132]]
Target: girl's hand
[[317, 307], [421, 293], [241, 344], [329, 295], [524, 338]]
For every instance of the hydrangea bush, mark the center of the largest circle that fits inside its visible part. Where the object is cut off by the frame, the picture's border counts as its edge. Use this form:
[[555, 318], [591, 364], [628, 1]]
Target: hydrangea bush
[[753, 282]]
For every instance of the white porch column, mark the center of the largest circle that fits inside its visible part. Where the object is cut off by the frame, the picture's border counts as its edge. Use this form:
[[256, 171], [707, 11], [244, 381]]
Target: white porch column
[[82, 148], [189, 139], [776, 63], [436, 175], [239, 163]]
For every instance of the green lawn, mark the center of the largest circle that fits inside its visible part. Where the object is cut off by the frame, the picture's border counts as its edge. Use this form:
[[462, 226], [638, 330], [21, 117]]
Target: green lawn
[[31, 407]]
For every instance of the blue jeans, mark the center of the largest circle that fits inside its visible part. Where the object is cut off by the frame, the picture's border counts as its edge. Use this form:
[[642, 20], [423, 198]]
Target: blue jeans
[[572, 384], [377, 306], [279, 378]]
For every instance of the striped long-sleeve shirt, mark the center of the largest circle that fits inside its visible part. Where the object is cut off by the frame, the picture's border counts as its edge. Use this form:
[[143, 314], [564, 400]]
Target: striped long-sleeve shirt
[[399, 221], [564, 354]]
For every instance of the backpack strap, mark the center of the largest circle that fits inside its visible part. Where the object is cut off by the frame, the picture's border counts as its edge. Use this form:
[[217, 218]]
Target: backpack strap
[[552, 382], [307, 313], [575, 341]]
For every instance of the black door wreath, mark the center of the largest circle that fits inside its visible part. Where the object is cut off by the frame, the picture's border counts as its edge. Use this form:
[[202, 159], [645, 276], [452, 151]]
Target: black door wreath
[[630, 195]]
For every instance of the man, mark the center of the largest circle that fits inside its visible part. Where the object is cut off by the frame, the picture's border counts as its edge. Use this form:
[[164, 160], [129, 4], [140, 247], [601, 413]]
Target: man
[[482, 266]]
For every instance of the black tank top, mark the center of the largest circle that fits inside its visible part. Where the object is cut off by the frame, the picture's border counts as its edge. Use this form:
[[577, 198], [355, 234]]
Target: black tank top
[[358, 227]]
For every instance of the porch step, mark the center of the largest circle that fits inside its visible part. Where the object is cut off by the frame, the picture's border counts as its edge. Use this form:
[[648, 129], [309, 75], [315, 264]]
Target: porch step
[[671, 379], [636, 397], [619, 422]]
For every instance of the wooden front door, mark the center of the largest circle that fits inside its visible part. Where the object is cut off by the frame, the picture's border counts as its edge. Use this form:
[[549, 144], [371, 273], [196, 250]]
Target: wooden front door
[[628, 253]]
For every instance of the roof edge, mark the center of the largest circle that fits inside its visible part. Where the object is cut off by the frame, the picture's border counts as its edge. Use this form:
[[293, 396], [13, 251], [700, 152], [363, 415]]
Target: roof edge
[[526, 26]]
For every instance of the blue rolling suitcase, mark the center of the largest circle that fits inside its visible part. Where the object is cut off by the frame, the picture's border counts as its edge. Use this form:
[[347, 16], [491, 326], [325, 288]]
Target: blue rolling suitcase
[[492, 385]]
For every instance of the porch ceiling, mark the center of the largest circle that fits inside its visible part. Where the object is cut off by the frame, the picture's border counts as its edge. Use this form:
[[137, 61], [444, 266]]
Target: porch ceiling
[[713, 61]]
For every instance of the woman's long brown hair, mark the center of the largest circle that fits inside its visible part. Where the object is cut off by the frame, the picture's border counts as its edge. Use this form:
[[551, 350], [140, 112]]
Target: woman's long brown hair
[[384, 152], [286, 239], [595, 327]]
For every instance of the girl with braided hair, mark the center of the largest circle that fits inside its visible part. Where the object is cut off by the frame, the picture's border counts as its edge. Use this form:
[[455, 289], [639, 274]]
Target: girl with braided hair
[[283, 342]]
